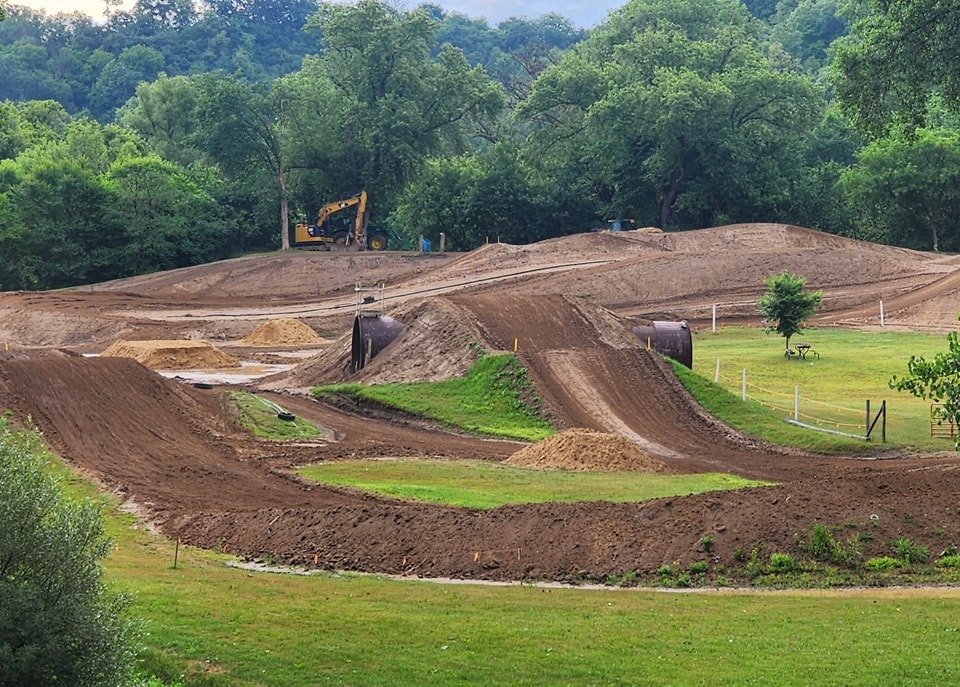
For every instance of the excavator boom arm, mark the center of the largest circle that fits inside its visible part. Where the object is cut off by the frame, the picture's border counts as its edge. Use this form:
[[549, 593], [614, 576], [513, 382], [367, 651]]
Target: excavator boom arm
[[338, 205]]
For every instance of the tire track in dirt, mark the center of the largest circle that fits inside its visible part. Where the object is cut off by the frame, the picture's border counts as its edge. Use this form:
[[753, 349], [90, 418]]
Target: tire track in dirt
[[584, 390]]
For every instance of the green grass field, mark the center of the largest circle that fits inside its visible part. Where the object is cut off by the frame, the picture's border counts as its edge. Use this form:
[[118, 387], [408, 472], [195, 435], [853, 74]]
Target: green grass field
[[209, 624], [853, 367]]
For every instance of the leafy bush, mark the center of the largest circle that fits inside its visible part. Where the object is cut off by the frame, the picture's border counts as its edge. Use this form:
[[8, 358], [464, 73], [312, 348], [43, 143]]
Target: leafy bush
[[825, 548], [666, 574], [908, 552], [58, 622], [698, 568], [949, 561], [782, 563], [882, 564]]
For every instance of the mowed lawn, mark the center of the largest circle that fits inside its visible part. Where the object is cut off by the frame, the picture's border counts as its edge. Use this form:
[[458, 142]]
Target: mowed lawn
[[832, 389], [235, 627], [482, 484]]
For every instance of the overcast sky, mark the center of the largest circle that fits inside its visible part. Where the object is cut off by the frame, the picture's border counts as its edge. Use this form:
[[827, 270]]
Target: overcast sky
[[582, 13]]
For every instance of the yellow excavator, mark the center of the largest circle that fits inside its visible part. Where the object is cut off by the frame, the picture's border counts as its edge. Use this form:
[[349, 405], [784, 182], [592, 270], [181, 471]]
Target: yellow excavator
[[333, 229]]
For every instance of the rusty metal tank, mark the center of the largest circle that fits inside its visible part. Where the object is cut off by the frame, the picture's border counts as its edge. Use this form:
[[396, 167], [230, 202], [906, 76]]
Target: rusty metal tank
[[371, 334], [672, 339]]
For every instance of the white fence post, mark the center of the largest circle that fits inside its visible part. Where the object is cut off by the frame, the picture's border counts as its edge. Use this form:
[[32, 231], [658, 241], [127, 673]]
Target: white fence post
[[716, 375], [796, 403]]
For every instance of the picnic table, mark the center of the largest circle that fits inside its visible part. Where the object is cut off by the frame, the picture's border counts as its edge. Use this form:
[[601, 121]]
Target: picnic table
[[803, 349]]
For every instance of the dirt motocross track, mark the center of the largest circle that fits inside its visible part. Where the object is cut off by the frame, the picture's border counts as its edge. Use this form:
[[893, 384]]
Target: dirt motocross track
[[566, 305]]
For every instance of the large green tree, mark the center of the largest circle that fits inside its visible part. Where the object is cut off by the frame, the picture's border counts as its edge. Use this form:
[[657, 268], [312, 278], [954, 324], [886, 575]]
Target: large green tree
[[672, 113], [82, 203], [786, 306], [169, 219], [908, 189], [61, 235], [164, 113], [807, 29], [897, 54], [241, 128], [472, 199], [59, 624], [384, 102]]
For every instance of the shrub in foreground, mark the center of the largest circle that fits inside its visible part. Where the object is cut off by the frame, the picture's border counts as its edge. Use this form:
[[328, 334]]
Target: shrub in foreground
[[59, 625]]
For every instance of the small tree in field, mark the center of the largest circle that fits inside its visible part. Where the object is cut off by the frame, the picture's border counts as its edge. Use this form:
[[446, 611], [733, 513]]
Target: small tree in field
[[936, 380], [785, 306], [59, 625]]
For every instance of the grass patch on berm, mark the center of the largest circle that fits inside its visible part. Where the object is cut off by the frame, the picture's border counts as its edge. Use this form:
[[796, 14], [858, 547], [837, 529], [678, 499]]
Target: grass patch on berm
[[494, 398], [262, 418]]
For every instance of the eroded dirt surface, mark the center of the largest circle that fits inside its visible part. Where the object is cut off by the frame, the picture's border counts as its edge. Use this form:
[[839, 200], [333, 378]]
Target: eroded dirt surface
[[565, 306]]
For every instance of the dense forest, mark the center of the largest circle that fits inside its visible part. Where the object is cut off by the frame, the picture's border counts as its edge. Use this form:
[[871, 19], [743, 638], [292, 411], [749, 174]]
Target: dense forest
[[182, 132]]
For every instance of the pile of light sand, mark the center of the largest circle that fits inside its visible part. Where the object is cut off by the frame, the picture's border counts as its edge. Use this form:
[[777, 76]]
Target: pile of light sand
[[284, 332], [586, 450], [172, 355]]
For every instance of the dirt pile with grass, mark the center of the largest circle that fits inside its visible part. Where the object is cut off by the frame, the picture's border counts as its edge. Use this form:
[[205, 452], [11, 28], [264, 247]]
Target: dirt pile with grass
[[172, 355], [582, 450], [283, 332]]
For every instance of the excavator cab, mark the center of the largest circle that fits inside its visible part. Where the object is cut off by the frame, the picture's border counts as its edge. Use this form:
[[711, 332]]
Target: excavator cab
[[621, 224]]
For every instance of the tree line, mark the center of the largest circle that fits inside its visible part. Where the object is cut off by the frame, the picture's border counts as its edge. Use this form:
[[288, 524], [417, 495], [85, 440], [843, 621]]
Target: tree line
[[180, 132]]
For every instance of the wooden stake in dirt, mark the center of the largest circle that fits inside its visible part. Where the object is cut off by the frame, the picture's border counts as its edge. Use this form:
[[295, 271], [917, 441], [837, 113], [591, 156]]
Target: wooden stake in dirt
[[176, 553]]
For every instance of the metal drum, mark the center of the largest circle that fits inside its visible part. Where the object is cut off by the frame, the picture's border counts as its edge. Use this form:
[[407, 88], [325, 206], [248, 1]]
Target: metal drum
[[672, 339], [371, 334]]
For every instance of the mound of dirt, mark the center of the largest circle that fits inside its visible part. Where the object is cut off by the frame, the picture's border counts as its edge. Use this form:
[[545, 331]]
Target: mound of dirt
[[283, 332], [172, 355], [582, 450], [438, 341]]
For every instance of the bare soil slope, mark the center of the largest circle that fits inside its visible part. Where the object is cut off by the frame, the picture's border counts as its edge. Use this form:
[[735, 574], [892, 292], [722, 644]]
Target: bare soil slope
[[175, 452]]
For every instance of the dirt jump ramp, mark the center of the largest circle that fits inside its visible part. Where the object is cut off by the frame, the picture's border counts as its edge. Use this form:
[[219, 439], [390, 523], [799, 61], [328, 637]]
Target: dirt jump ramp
[[592, 372]]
